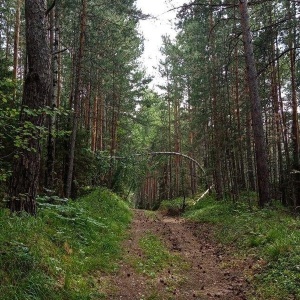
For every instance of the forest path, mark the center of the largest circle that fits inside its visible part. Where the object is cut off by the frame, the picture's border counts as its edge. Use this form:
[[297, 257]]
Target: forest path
[[202, 269]]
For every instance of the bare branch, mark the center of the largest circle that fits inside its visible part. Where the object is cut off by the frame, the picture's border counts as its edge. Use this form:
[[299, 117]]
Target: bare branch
[[275, 59], [60, 51], [50, 8]]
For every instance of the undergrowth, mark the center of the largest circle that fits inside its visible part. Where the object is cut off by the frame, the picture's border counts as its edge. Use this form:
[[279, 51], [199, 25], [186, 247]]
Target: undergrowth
[[57, 254], [271, 235], [174, 206]]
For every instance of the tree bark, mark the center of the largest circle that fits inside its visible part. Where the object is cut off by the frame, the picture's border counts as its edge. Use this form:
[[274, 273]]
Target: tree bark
[[16, 41], [256, 111], [77, 92], [295, 122], [52, 101], [25, 178], [216, 118]]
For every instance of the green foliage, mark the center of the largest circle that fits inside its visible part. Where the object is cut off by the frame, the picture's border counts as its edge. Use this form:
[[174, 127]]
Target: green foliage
[[29, 131], [148, 126], [58, 254], [280, 279], [8, 121], [174, 206], [87, 169], [271, 234]]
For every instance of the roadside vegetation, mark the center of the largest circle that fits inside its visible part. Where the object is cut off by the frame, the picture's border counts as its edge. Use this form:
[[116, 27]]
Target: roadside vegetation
[[58, 254], [61, 253], [269, 237]]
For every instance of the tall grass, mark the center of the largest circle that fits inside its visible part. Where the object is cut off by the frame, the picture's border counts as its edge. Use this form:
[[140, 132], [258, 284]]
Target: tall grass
[[57, 254]]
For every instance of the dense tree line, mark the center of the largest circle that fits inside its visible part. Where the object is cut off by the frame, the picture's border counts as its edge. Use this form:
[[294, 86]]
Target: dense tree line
[[70, 76], [234, 71], [76, 110]]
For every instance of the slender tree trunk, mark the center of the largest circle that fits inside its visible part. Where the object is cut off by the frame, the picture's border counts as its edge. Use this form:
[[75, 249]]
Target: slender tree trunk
[[8, 37], [58, 59], [294, 104], [256, 111], [77, 96], [52, 101], [283, 133], [102, 121], [250, 165], [94, 132], [277, 121], [217, 136], [240, 155], [25, 178], [170, 169], [16, 42], [177, 145]]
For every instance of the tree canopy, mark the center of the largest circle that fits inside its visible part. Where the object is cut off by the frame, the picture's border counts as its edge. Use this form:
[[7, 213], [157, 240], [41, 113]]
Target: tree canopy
[[76, 109]]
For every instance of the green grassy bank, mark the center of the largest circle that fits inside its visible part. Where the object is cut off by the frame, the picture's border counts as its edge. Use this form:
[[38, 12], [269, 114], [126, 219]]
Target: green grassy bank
[[270, 235], [60, 253]]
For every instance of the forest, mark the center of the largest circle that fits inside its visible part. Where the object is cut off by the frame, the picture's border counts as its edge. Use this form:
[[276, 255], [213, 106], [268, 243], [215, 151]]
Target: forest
[[78, 115], [230, 102]]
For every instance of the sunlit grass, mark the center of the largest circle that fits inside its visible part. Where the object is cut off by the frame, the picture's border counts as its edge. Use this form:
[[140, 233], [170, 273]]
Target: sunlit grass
[[150, 214], [156, 256], [155, 263]]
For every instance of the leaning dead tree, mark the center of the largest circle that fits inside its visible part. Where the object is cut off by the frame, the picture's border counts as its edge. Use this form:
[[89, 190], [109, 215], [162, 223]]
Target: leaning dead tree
[[166, 153], [179, 154]]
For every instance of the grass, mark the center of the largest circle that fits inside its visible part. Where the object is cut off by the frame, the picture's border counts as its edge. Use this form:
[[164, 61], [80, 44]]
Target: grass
[[174, 206], [151, 214], [272, 235], [171, 204], [156, 256], [58, 254], [157, 263]]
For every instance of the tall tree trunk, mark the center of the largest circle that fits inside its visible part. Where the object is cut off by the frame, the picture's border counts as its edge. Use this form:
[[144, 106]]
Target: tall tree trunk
[[177, 146], [169, 147], [8, 37], [249, 153], [256, 111], [58, 53], [217, 135], [25, 178], [240, 155], [16, 42], [277, 121], [283, 131], [95, 123], [294, 105], [77, 96], [52, 101]]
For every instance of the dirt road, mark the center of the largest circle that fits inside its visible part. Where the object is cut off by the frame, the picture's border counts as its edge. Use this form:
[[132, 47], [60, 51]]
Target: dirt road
[[208, 270]]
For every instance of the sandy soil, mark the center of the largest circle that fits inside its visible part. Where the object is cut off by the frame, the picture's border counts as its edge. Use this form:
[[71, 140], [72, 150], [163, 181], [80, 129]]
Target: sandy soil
[[210, 272]]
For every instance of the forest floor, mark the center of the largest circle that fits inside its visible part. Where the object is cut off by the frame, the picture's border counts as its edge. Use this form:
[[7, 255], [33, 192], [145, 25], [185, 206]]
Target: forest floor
[[172, 258]]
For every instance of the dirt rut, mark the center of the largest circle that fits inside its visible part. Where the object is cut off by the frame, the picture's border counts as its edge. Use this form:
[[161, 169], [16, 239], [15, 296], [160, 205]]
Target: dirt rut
[[211, 273]]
